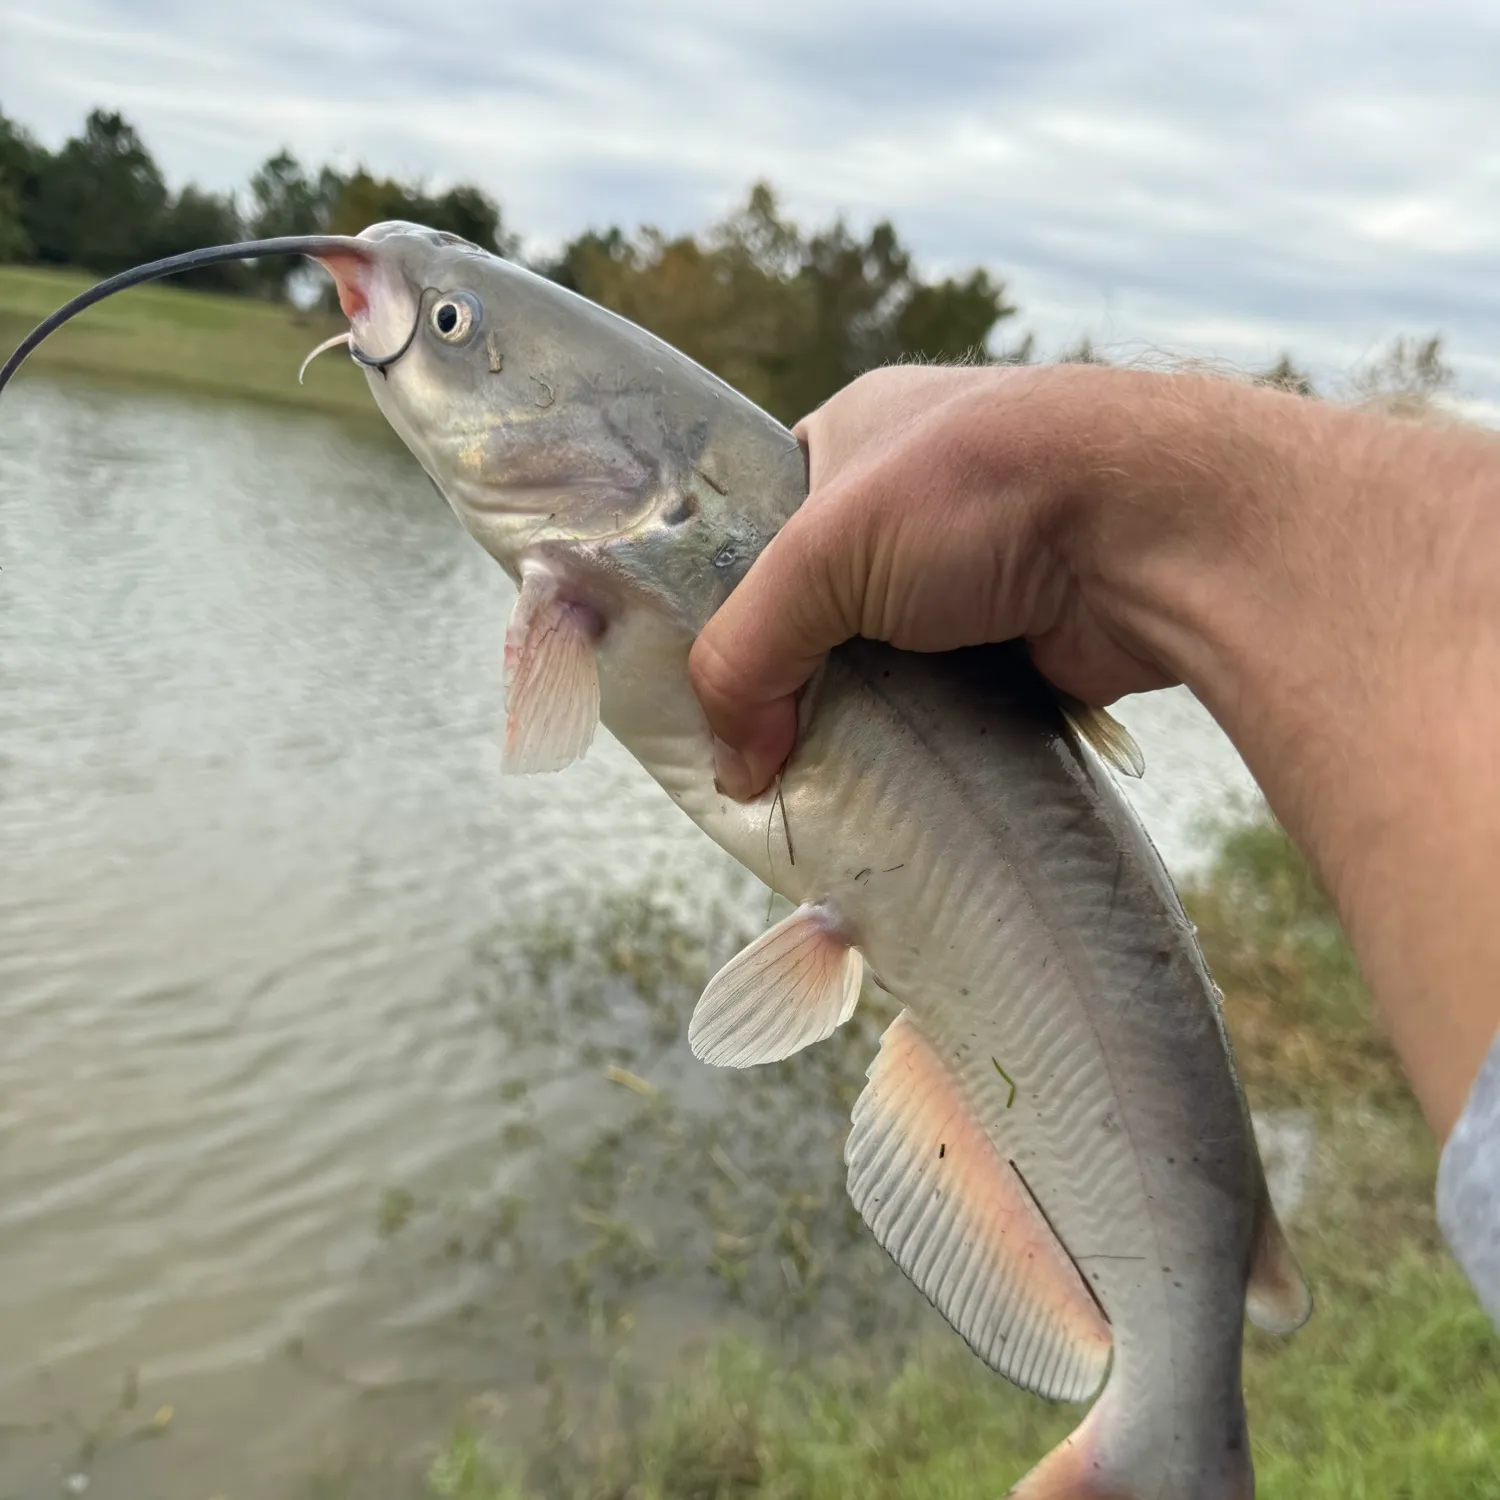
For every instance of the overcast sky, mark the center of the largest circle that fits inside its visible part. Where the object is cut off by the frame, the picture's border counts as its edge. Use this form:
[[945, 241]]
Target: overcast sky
[[1222, 180]]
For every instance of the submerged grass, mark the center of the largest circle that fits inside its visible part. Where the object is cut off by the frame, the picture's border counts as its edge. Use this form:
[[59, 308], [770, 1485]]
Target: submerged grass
[[1295, 1003], [170, 337], [1392, 1390]]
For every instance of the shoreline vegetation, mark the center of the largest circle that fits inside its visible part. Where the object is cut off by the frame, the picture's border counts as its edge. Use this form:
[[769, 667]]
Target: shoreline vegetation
[[1391, 1390], [171, 338], [786, 314]]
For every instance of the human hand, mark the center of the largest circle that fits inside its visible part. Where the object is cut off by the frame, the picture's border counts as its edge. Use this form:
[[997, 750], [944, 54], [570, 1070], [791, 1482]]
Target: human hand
[[944, 511]]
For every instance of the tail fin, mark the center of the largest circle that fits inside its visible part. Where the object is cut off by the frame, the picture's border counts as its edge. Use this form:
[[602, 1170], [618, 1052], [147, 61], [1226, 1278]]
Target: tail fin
[[1100, 1461]]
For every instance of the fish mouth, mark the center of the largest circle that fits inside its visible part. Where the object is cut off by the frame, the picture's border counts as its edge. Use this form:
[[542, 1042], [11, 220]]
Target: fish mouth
[[376, 298], [384, 361], [372, 291]]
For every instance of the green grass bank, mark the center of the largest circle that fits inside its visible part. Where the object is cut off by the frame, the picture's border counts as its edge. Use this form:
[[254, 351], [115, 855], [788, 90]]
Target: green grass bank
[[167, 337], [1392, 1390]]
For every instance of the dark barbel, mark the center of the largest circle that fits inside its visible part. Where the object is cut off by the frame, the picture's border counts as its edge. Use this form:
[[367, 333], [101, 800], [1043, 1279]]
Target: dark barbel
[[190, 260]]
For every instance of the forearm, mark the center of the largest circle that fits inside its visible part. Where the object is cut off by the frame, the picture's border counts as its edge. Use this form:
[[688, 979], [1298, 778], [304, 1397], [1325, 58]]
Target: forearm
[[1332, 594]]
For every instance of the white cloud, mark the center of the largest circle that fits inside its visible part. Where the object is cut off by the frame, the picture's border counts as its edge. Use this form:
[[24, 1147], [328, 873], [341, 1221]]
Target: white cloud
[[1213, 179]]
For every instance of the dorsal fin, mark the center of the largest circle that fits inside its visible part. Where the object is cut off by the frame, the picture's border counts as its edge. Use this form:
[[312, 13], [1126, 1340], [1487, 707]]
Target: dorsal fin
[[959, 1219]]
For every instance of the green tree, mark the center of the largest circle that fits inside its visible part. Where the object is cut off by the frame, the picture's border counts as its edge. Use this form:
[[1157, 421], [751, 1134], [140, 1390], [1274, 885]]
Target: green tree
[[195, 219], [852, 289], [1020, 353], [101, 201], [583, 262], [286, 200], [472, 215], [21, 163], [1082, 353], [464, 210], [15, 243], [784, 317], [364, 199], [1408, 379], [1286, 376], [716, 301], [953, 318]]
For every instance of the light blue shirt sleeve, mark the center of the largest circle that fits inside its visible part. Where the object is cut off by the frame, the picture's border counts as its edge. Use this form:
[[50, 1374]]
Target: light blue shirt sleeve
[[1468, 1186]]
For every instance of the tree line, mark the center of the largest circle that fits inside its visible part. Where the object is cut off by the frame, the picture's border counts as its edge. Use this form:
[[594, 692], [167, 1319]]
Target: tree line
[[785, 315], [102, 203]]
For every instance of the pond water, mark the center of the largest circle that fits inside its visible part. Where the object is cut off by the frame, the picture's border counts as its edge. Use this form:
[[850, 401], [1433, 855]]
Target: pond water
[[262, 891]]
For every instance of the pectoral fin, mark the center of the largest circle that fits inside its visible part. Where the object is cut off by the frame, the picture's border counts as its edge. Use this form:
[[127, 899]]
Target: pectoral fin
[[551, 679], [793, 986], [960, 1220]]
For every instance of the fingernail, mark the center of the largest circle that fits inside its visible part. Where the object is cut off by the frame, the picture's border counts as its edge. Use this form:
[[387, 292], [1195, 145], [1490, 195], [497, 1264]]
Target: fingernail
[[731, 771]]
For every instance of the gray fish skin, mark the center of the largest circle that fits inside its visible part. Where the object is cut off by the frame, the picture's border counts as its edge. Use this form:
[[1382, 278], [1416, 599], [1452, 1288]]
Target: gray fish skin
[[968, 846]]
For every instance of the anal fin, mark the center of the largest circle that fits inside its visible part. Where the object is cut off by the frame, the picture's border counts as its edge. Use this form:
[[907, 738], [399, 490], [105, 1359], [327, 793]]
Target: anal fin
[[551, 678], [793, 986], [960, 1220]]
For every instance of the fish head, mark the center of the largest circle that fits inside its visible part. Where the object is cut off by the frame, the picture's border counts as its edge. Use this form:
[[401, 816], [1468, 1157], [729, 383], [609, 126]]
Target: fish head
[[557, 430]]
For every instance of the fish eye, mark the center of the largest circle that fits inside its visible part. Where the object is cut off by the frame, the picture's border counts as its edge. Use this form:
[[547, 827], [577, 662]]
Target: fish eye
[[455, 315]]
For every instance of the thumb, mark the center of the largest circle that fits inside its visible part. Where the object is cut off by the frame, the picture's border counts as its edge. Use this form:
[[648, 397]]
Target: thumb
[[802, 596]]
